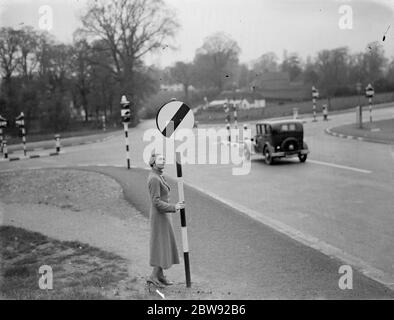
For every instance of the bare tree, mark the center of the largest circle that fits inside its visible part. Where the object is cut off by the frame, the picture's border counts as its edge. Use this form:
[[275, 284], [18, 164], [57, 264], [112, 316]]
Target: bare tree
[[9, 52], [131, 29]]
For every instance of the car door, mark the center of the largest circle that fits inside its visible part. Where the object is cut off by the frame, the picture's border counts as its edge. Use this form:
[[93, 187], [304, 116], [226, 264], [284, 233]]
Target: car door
[[259, 137]]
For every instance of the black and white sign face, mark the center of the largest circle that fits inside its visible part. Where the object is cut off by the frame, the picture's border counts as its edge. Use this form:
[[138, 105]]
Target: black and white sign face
[[3, 124], [369, 91], [125, 114], [172, 116]]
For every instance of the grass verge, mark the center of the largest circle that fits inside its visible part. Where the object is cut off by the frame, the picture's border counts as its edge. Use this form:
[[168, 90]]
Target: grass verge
[[80, 272], [380, 131]]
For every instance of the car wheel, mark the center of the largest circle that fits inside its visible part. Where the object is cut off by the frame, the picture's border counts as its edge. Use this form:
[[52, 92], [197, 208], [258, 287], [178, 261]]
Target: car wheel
[[302, 157], [267, 156]]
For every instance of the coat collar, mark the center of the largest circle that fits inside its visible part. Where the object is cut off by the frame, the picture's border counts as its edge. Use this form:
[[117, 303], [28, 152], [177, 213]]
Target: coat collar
[[160, 174]]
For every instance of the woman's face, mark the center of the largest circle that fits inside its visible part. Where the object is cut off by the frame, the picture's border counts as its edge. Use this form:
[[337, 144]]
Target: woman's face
[[160, 162]]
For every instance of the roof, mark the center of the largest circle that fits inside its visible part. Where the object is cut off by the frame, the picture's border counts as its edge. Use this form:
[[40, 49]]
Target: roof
[[238, 95], [272, 122]]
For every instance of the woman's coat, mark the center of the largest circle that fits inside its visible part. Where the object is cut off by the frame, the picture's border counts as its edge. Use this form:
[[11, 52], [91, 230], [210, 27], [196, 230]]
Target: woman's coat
[[163, 247]]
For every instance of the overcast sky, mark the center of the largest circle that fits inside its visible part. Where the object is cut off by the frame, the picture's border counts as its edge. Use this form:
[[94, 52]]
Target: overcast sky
[[258, 26]]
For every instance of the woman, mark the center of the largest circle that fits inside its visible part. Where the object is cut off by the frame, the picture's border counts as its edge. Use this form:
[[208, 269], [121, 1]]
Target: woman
[[163, 247]]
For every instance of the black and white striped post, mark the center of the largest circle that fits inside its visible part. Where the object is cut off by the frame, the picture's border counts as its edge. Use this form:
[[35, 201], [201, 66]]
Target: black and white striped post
[[1, 139], [369, 92], [126, 134], [57, 139], [315, 95], [103, 120], [227, 120], [185, 242], [3, 124], [235, 121], [20, 122], [235, 116], [5, 150], [125, 113], [173, 116]]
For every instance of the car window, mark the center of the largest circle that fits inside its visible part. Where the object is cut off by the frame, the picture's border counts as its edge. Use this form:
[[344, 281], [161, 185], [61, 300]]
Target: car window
[[263, 129], [292, 127], [267, 129], [258, 129], [284, 127]]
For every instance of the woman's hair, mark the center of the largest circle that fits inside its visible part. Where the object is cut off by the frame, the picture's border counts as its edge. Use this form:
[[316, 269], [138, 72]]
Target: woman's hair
[[152, 159]]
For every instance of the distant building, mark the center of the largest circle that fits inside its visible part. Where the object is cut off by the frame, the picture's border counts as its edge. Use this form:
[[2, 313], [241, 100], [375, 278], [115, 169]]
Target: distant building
[[174, 87], [277, 86], [241, 99]]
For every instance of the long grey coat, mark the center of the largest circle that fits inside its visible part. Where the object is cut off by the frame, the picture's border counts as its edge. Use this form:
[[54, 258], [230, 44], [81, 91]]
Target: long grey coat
[[163, 247]]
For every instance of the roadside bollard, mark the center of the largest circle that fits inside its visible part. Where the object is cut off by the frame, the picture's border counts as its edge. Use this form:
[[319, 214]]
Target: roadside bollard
[[295, 113], [5, 150], [1, 140], [314, 111], [103, 120], [24, 140], [57, 138], [325, 112], [228, 132]]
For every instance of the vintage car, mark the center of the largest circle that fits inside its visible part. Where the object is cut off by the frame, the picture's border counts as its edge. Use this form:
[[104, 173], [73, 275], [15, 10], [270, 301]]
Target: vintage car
[[280, 139]]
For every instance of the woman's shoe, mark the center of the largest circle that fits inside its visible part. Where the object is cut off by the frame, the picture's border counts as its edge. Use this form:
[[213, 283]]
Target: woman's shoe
[[155, 282], [165, 281]]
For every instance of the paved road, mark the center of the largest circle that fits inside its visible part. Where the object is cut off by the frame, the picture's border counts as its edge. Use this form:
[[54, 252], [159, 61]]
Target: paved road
[[340, 201]]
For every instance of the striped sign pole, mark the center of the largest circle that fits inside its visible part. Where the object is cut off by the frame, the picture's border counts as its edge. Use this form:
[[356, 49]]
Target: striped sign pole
[[5, 150], [185, 242], [103, 119], [172, 116], [1, 139], [57, 138], [126, 134], [227, 119], [314, 109], [126, 117], [235, 122], [24, 140], [370, 109], [315, 94]]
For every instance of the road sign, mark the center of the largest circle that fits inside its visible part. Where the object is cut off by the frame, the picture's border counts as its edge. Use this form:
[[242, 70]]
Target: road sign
[[172, 116], [20, 120], [3, 122], [315, 93], [125, 111], [369, 91]]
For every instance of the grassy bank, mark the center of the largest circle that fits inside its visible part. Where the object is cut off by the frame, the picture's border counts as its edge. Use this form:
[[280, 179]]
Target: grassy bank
[[79, 271]]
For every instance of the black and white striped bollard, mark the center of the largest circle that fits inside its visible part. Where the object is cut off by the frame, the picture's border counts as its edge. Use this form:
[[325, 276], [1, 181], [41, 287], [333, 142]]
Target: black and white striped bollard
[[185, 242], [1, 139], [103, 120], [5, 150], [126, 134], [236, 123], [57, 138], [314, 109], [370, 109], [24, 140]]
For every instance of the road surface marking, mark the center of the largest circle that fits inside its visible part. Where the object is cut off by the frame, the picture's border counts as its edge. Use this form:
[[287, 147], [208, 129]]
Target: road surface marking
[[339, 166]]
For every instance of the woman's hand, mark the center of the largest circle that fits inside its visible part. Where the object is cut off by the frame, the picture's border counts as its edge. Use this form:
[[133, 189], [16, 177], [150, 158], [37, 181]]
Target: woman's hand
[[179, 206]]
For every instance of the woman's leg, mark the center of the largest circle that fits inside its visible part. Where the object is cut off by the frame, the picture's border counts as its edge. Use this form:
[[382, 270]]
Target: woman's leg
[[156, 272]]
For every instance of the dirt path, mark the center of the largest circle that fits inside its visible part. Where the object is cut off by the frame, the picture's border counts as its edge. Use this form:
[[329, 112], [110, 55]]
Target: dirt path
[[88, 207]]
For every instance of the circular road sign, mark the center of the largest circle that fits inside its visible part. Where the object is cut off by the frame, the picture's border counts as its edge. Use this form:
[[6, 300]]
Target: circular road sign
[[172, 116]]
